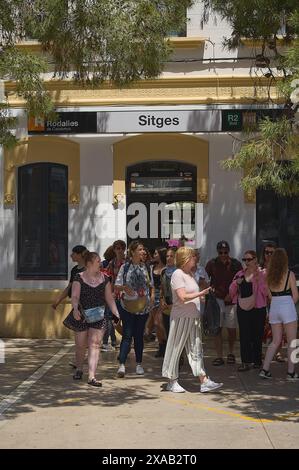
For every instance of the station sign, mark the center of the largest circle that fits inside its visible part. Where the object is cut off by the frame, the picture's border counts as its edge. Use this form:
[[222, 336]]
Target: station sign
[[65, 123], [157, 121], [238, 120]]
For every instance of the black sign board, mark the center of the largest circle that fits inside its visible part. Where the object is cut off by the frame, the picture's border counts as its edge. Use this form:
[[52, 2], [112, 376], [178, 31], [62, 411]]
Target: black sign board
[[65, 123], [237, 120], [161, 185]]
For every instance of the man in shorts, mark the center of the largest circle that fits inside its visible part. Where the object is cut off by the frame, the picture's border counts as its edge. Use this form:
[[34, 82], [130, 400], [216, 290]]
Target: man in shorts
[[221, 271]]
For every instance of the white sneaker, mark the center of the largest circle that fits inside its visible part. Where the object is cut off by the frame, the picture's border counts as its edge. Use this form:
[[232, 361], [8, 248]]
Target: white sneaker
[[209, 386], [121, 371], [174, 386], [139, 369], [105, 347]]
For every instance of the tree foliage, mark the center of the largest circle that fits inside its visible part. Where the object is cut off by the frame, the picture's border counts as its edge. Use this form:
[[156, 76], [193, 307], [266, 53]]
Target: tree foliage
[[254, 19], [119, 40], [264, 158], [88, 40], [269, 156]]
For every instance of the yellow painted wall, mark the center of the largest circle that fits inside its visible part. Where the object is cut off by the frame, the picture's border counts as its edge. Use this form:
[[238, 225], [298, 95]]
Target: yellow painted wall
[[28, 314], [43, 149]]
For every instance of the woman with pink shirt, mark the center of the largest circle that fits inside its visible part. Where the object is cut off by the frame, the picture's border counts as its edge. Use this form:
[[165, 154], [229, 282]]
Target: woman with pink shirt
[[185, 325], [249, 291]]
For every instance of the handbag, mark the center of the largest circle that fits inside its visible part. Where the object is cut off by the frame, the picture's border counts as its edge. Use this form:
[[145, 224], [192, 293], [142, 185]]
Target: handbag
[[136, 305], [211, 316], [94, 314], [167, 310], [247, 303]]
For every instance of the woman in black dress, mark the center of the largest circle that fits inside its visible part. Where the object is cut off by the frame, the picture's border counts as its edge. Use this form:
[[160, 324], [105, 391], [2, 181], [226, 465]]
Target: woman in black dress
[[90, 289]]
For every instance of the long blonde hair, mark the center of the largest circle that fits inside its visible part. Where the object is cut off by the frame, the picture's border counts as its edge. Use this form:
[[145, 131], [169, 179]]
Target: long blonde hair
[[278, 267], [183, 255]]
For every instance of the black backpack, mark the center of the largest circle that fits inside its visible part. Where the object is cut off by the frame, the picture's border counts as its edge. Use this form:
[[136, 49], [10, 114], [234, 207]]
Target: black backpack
[[211, 316]]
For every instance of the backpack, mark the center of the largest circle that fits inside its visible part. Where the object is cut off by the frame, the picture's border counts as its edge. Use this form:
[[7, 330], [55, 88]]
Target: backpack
[[211, 316]]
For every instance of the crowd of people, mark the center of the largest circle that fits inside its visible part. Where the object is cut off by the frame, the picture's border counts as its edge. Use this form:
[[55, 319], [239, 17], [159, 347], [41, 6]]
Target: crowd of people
[[161, 295]]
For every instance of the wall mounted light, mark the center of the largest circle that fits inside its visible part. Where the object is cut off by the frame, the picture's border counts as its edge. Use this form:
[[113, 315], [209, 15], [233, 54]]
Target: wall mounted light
[[74, 199], [118, 200]]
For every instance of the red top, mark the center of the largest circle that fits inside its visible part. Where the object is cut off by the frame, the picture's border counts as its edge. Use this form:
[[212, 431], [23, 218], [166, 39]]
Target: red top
[[112, 270], [222, 274]]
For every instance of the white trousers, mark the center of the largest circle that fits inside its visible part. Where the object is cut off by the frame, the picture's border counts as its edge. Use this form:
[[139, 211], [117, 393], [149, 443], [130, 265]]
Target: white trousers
[[183, 333]]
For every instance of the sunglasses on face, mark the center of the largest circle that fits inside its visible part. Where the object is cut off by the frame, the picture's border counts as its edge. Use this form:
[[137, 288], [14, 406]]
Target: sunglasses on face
[[246, 260], [223, 252], [269, 252]]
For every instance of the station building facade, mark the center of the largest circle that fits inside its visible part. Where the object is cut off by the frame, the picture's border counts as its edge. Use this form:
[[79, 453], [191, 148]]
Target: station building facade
[[77, 180]]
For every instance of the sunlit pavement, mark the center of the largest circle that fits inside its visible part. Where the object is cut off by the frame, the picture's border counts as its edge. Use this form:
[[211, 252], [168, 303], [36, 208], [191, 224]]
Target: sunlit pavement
[[41, 406]]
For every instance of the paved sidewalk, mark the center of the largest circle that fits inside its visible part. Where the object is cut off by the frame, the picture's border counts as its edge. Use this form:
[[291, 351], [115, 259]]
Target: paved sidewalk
[[42, 407]]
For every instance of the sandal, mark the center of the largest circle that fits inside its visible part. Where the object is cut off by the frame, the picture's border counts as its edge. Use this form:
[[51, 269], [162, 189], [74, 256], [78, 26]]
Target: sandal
[[94, 382], [231, 359], [78, 375], [218, 362], [243, 368]]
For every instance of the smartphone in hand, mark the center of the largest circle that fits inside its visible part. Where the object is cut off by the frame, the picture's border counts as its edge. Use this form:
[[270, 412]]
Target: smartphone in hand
[[205, 291]]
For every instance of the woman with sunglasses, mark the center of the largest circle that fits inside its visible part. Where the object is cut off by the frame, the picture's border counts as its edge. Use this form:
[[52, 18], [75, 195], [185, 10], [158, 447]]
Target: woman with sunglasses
[[268, 250], [249, 291]]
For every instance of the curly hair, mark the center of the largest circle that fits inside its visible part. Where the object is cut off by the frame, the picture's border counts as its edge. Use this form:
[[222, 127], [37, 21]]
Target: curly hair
[[278, 268]]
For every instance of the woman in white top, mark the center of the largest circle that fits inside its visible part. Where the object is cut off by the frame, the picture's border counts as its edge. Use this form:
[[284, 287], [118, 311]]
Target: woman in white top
[[185, 327]]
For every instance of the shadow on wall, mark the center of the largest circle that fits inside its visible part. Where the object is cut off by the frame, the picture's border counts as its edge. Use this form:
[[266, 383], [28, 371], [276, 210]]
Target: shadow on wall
[[227, 216], [91, 223]]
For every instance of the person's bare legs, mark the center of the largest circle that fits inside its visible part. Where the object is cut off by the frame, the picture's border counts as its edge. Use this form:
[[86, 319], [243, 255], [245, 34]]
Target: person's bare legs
[[94, 339], [80, 348], [291, 333], [150, 324], [277, 331]]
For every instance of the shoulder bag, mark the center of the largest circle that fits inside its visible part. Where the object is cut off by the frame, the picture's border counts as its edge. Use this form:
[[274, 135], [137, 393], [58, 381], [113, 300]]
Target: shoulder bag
[[94, 314]]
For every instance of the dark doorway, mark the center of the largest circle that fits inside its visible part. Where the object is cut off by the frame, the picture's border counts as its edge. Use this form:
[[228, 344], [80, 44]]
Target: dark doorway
[[277, 219], [155, 182]]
